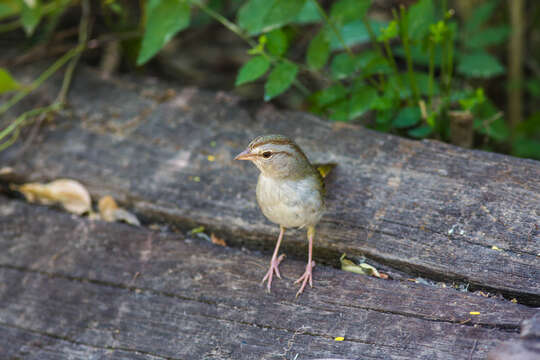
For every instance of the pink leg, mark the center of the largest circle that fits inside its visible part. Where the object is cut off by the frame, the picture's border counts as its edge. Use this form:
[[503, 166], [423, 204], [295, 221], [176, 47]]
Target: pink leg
[[310, 264], [274, 263]]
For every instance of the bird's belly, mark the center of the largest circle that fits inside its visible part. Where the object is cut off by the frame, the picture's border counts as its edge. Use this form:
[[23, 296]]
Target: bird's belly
[[290, 204]]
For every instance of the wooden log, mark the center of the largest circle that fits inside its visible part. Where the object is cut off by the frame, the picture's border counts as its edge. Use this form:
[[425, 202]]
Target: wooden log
[[425, 208], [75, 288]]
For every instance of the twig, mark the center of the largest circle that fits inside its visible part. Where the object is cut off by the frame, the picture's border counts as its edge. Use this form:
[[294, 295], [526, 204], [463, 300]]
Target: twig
[[473, 349], [334, 29], [83, 38], [19, 121], [40, 80]]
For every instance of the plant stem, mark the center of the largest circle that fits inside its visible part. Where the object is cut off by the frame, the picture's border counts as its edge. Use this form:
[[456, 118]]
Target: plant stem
[[375, 43], [42, 78], [334, 29], [431, 72], [14, 126], [403, 27], [83, 38], [224, 21]]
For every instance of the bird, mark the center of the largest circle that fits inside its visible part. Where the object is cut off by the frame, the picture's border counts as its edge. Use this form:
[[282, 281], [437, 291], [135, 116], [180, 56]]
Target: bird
[[290, 193]]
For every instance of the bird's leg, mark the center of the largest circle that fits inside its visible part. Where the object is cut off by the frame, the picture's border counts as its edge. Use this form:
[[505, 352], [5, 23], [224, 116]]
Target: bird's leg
[[274, 263], [310, 264]]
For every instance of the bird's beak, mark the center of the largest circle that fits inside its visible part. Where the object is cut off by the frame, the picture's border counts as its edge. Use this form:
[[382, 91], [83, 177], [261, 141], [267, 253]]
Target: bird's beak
[[245, 155]]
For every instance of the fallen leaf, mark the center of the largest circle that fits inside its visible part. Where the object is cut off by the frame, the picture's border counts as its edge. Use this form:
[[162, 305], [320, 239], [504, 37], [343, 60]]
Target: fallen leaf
[[211, 158], [111, 212], [339, 338], [71, 194], [217, 241], [107, 206], [363, 268], [6, 170], [496, 248]]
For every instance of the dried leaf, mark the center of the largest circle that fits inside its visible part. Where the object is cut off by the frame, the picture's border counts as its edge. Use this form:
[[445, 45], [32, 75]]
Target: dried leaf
[[217, 241], [107, 206], [70, 193], [109, 211], [363, 268]]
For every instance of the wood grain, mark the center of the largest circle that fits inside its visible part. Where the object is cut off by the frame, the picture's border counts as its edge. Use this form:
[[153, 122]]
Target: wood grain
[[424, 208], [75, 288]]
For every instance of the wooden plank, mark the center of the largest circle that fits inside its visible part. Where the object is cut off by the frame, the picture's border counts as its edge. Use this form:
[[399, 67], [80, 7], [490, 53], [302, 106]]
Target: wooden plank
[[18, 344], [95, 285], [422, 207]]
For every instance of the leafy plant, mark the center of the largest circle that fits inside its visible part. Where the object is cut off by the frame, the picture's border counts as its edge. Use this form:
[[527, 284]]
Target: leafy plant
[[412, 70]]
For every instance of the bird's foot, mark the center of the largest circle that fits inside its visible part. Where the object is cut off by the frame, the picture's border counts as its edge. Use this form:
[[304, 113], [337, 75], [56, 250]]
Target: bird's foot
[[305, 278], [274, 263]]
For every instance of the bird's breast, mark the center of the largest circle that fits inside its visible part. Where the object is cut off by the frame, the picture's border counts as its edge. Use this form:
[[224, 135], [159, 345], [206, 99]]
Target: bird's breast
[[291, 203]]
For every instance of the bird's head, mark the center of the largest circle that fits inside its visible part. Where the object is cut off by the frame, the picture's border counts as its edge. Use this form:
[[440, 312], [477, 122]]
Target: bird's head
[[277, 156]]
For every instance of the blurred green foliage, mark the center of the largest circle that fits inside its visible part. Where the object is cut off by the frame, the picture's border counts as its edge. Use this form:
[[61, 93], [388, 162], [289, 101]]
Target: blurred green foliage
[[405, 75]]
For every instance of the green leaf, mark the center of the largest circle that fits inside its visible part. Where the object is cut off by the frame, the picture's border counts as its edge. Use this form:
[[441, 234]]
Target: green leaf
[[252, 14], [421, 56], [283, 12], [529, 127], [355, 33], [527, 148], [318, 51], [362, 100], [277, 42], [488, 121], [329, 95], [257, 16], [252, 70], [479, 65], [370, 62], [30, 15], [533, 87], [9, 8], [342, 66], [420, 132], [389, 32], [345, 11], [308, 14], [165, 18], [420, 16], [422, 83], [339, 111], [407, 117], [479, 16], [7, 83], [280, 79], [488, 37]]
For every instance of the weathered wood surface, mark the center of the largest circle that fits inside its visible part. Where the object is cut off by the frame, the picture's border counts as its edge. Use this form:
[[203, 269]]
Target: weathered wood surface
[[421, 207], [526, 348], [78, 289]]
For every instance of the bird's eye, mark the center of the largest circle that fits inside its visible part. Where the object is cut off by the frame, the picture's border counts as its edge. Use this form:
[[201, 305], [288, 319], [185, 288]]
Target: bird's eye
[[266, 154]]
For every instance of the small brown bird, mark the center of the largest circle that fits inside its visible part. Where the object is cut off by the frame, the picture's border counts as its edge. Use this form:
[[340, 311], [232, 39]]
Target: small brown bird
[[289, 191]]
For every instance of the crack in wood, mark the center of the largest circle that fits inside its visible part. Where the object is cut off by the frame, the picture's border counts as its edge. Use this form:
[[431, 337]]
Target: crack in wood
[[505, 327], [76, 342]]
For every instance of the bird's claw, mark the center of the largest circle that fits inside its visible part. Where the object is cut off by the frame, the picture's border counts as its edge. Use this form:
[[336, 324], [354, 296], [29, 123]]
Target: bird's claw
[[274, 268], [307, 276]]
